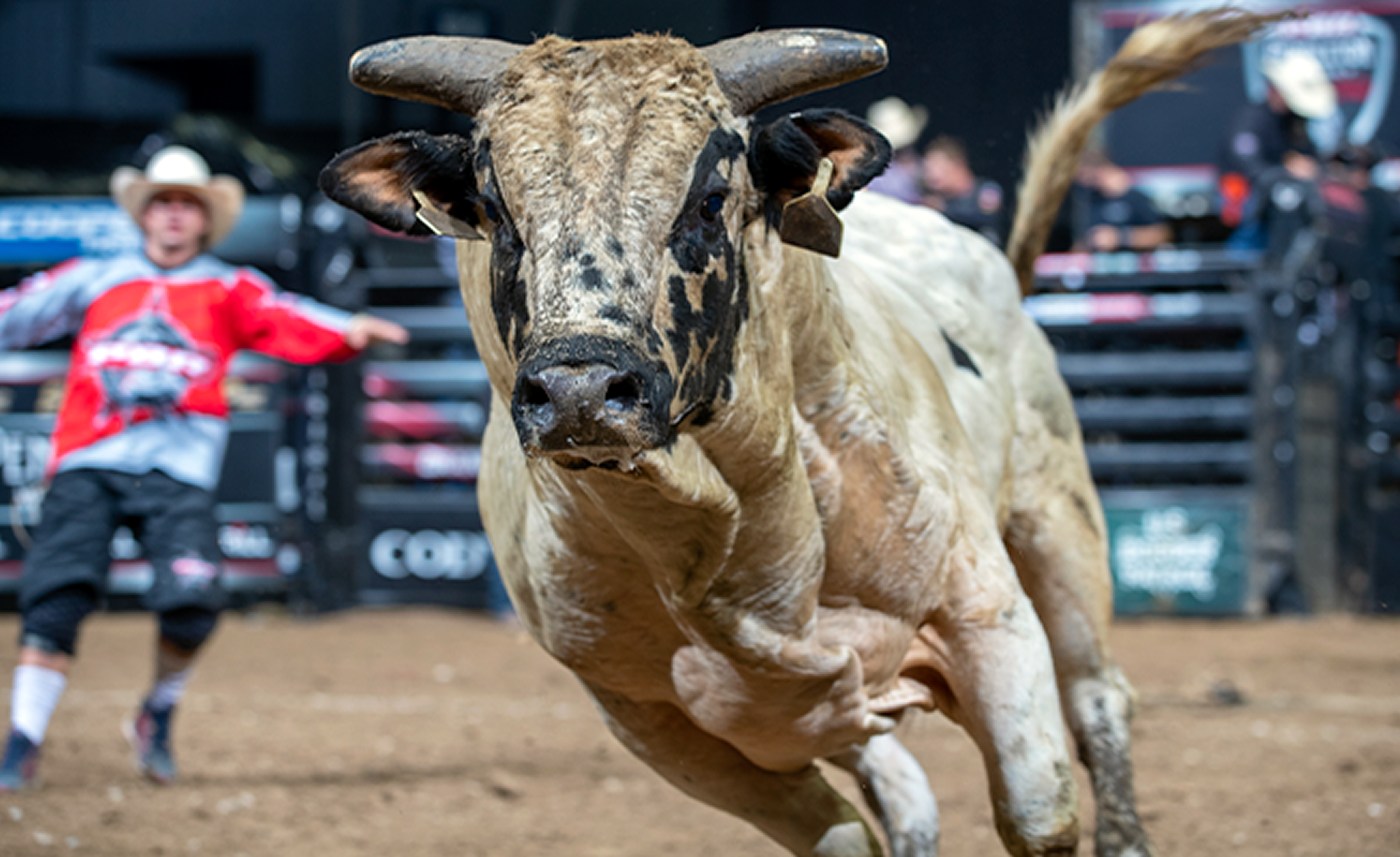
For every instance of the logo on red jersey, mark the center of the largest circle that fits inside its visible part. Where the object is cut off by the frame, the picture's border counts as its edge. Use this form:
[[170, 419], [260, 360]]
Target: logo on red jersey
[[147, 362]]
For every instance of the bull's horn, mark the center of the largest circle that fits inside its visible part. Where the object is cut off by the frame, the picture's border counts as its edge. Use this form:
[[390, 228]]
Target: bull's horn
[[767, 67], [446, 71]]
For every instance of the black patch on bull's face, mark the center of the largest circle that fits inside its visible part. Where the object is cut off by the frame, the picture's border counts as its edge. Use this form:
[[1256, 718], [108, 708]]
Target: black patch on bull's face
[[703, 338], [509, 300]]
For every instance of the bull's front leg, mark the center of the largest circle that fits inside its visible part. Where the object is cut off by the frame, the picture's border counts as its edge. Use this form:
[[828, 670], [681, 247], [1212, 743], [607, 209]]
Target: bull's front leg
[[798, 810], [992, 651]]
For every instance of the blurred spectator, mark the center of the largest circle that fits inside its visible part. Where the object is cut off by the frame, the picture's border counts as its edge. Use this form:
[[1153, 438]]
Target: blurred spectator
[[1110, 214], [1361, 214], [1276, 134], [901, 125], [951, 187], [141, 433]]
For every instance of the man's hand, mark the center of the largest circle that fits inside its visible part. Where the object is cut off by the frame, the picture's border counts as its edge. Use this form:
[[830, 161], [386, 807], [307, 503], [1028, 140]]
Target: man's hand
[[366, 330]]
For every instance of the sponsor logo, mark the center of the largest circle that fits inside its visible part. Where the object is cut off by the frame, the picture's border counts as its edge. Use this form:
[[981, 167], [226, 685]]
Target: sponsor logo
[[149, 356], [429, 554], [147, 363], [1166, 555], [59, 229], [1358, 52]]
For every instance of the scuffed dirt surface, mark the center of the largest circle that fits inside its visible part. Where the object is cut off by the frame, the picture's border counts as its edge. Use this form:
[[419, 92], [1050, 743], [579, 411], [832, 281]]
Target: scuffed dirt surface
[[409, 732]]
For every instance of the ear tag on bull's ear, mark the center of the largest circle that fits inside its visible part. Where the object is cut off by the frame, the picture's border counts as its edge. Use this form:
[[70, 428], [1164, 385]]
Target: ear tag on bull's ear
[[439, 221], [809, 221]]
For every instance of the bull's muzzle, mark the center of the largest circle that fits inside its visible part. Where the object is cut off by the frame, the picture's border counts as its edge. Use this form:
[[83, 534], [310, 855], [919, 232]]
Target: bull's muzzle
[[588, 412]]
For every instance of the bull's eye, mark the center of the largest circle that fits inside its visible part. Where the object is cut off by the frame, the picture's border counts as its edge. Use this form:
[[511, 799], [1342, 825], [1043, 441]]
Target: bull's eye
[[711, 206]]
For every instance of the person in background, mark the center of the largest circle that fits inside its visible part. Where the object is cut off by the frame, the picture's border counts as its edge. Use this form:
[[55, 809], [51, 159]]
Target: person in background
[[951, 187], [1275, 138], [901, 125], [141, 433], [1109, 213]]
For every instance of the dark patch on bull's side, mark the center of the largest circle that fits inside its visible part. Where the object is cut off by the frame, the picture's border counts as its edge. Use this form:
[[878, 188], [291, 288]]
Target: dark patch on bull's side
[[653, 342], [615, 247], [629, 281], [961, 358]]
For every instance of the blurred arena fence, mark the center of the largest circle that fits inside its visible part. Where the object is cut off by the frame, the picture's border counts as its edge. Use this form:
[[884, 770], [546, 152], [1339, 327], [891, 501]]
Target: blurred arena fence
[[1239, 407]]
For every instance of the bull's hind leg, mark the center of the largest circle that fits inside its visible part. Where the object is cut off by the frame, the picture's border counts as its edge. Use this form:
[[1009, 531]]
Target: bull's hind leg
[[896, 789], [1057, 540], [798, 810]]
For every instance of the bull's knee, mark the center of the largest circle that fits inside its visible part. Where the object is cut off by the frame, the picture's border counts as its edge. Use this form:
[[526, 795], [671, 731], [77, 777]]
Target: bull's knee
[[1043, 822], [1058, 838], [847, 839]]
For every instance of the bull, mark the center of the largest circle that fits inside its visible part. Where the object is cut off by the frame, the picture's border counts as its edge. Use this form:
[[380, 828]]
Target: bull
[[762, 501]]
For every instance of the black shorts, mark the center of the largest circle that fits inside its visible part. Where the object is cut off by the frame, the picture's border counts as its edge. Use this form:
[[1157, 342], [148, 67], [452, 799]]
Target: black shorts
[[173, 521]]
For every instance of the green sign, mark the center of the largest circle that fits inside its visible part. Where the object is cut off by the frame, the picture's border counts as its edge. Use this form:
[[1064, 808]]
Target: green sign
[[1185, 557]]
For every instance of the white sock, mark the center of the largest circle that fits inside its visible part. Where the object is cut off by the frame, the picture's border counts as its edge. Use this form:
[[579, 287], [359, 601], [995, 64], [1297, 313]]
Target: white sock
[[167, 691], [33, 699]]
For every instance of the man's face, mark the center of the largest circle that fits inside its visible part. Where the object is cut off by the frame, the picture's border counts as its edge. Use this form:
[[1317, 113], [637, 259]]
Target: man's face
[[175, 220]]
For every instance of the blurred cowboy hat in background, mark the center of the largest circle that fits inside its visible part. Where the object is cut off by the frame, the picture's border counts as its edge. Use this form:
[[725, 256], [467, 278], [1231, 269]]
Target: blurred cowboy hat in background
[[180, 168], [1303, 83], [900, 123]]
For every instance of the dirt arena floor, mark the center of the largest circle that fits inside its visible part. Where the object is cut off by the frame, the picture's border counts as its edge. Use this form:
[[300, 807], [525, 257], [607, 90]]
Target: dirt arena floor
[[418, 732]]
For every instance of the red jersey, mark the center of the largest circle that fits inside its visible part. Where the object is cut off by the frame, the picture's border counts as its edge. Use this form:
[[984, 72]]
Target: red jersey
[[145, 382]]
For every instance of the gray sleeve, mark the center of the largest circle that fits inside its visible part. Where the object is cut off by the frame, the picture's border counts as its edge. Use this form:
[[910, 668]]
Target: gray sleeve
[[46, 306]]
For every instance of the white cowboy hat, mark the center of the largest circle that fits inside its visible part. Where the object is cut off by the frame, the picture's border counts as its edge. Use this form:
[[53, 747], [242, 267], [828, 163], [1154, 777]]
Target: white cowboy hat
[[900, 123], [179, 168], [1303, 83]]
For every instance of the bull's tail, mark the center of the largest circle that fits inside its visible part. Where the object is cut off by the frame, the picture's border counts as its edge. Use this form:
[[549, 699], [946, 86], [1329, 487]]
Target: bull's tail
[[1154, 55]]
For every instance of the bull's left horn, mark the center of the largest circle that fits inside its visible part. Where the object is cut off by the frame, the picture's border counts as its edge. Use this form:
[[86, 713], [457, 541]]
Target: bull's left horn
[[447, 71], [764, 68]]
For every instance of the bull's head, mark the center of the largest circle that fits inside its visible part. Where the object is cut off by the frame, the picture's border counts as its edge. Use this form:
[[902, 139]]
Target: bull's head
[[616, 181]]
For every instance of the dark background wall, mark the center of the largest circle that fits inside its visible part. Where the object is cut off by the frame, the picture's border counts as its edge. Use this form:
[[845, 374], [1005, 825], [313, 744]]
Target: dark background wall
[[85, 80]]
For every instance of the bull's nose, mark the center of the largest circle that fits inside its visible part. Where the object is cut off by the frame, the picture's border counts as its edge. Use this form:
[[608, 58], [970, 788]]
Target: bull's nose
[[578, 406]]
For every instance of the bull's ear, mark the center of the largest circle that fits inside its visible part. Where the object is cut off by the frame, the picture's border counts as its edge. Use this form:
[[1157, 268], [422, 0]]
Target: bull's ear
[[785, 155], [409, 182]]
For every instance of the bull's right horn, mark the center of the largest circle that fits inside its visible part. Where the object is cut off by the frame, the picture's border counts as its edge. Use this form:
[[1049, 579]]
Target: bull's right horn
[[763, 68], [454, 72]]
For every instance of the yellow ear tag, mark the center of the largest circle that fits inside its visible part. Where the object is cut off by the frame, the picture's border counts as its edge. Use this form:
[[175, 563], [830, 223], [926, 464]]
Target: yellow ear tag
[[809, 221], [439, 221]]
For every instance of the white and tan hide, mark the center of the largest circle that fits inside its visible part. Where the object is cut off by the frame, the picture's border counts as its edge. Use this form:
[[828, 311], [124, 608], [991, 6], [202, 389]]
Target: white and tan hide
[[764, 502]]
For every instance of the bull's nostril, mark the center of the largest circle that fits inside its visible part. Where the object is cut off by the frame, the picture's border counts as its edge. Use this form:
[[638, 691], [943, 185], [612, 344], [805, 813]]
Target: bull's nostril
[[624, 392], [533, 393]]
